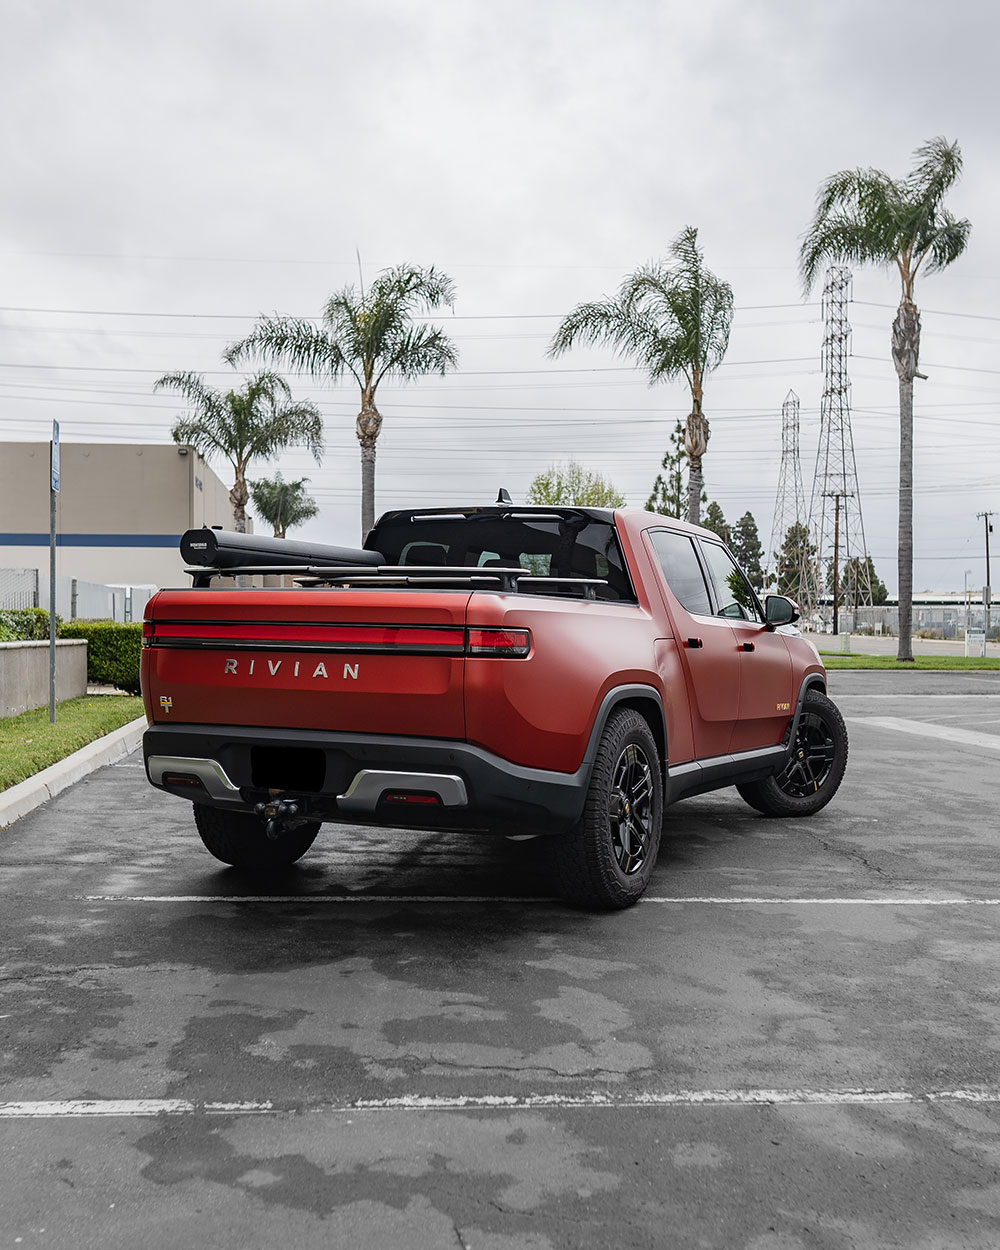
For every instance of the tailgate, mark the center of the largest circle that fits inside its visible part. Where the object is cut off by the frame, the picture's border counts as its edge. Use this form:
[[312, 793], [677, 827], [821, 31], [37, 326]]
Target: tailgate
[[361, 661]]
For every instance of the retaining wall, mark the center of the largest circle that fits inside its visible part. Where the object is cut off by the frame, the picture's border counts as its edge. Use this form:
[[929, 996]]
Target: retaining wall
[[24, 673]]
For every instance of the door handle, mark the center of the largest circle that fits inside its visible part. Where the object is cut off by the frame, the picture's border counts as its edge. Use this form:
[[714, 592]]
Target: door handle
[[694, 643], [748, 646]]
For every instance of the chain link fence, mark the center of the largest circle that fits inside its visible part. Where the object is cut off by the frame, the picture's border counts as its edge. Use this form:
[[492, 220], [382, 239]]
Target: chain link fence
[[75, 599], [19, 588]]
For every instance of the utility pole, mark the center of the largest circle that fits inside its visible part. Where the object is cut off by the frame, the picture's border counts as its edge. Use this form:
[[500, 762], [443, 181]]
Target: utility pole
[[985, 518], [53, 491], [836, 496]]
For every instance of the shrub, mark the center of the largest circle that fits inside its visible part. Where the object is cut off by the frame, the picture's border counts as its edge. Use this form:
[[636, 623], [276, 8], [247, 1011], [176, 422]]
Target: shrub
[[113, 649], [25, 624]]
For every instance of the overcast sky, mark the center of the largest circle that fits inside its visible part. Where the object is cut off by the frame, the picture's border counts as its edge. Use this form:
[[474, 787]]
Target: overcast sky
[[217, 160]]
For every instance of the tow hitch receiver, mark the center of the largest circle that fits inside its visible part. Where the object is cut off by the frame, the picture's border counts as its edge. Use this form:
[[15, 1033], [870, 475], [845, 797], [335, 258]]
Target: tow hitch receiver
[[280, 815]]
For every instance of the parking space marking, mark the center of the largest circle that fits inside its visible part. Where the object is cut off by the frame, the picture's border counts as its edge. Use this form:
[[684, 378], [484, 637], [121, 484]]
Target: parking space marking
[[334, 900], [944, 733], [92, 1108]]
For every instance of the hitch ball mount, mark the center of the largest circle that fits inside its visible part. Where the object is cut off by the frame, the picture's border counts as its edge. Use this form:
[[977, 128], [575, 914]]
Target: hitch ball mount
[[280, 816]]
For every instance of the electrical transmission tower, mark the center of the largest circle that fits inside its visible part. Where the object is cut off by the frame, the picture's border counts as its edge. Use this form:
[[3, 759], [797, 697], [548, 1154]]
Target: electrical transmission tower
[[790, 502], [835, 521]]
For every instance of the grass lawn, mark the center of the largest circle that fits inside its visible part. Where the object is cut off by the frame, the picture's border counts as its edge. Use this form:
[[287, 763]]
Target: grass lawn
[[836, 659], [28, 743]]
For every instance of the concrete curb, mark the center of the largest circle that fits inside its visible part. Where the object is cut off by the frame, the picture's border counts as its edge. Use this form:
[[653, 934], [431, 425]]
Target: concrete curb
[[27, 795]]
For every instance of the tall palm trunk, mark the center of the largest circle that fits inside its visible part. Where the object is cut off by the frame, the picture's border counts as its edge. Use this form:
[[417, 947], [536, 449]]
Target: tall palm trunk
[[369, 426], [238, 497], [905, 355], [696, 436]]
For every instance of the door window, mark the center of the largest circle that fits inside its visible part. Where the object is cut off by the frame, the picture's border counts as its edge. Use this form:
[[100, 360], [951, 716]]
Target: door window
[[736, 597], [682, 569]]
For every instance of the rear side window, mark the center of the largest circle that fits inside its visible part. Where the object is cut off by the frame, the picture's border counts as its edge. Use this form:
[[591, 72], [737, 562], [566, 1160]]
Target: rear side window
[[682, 570]]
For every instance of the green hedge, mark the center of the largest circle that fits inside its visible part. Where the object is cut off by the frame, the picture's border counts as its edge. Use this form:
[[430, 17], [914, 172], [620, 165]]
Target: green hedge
[[113, 649], [25, 624]]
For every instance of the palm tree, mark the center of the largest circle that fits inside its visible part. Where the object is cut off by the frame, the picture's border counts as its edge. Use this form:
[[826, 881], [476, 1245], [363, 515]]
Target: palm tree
[[371, 336], [254, 423], [673, 319], [865, 217], [282, 504]]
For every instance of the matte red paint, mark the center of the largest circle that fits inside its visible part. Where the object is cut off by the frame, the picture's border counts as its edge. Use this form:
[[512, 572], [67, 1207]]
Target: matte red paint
[[537, 710]]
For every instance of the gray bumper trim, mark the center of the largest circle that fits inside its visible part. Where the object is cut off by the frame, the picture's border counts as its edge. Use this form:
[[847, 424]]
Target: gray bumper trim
[[368, 786], [210, 773]]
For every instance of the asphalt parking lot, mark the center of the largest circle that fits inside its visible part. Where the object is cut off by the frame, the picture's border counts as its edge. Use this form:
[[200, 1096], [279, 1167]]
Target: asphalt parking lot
[[404, 1042]]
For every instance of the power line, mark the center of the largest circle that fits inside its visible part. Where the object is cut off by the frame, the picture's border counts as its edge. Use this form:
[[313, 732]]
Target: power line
[[938, 312], [105, 312]]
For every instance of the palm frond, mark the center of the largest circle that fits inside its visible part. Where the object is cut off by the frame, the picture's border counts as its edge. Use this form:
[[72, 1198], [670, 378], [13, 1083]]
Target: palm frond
[[673, 319], [293, 342], [416, 351], [938, 168], [949, 242], [271, 429], [601, 322], [849, 238]]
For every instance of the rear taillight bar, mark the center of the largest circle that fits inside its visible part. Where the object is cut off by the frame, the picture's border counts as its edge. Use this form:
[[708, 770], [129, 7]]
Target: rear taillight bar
[[500, 642], [286, 636]]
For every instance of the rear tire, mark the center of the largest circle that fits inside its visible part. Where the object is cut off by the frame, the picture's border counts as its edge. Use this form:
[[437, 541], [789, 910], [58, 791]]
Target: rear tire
[[815, 768], [238, 838], [605, 862]]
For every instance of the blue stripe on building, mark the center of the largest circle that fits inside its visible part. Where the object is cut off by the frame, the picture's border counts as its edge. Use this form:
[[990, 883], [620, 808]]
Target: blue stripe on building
[[91, 540]]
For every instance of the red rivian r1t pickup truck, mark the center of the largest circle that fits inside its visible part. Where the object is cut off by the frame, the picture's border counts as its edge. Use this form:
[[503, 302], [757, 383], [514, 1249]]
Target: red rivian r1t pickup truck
[[562, 671]]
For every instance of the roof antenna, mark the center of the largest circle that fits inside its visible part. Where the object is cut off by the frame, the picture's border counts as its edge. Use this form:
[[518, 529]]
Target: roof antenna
[[503, 496]]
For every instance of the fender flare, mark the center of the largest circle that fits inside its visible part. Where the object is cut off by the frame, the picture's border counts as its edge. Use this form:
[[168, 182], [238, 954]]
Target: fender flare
[[811, 681], [616, 696]]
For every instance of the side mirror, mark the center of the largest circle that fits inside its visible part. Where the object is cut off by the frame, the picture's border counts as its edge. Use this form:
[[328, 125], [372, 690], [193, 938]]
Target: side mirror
[[780, 610]]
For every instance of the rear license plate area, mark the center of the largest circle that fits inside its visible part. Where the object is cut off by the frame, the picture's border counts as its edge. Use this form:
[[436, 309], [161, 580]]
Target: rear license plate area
[[288, 768]]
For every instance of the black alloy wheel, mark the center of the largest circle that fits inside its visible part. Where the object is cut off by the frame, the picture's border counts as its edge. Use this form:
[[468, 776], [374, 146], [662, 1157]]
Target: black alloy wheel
[[812, 756], [631, 809], [817, 758]]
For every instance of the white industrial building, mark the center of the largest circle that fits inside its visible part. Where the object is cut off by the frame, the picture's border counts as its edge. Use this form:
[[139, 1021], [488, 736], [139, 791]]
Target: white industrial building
[[120, 511]]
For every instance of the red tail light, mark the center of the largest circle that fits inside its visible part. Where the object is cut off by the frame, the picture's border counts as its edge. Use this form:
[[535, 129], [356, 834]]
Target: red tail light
[[302, 636], [499, 642]]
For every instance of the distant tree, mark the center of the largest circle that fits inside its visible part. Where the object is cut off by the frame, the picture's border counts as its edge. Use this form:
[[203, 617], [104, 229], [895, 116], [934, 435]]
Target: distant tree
[[865, 217], [255, 423], [744, 540], [795, 558], [282, 504], [716, 522], [669, 495], [574, 485], [856, 574], [371, 336], [673, 319]]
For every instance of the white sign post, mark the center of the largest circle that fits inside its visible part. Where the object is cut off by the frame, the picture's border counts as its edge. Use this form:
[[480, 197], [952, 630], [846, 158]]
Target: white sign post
[[53, 491]]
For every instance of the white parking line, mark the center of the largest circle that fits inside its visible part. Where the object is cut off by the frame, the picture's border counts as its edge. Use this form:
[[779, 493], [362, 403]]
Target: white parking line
[[924, 729], [78, 1108], [334, 900]]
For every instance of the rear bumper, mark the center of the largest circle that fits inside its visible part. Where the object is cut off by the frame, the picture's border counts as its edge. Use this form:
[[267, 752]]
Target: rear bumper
[[352, 777]]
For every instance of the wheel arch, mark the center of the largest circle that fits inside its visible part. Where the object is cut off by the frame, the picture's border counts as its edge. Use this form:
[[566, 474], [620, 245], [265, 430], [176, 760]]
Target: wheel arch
[[811, 681], [638, 698]]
